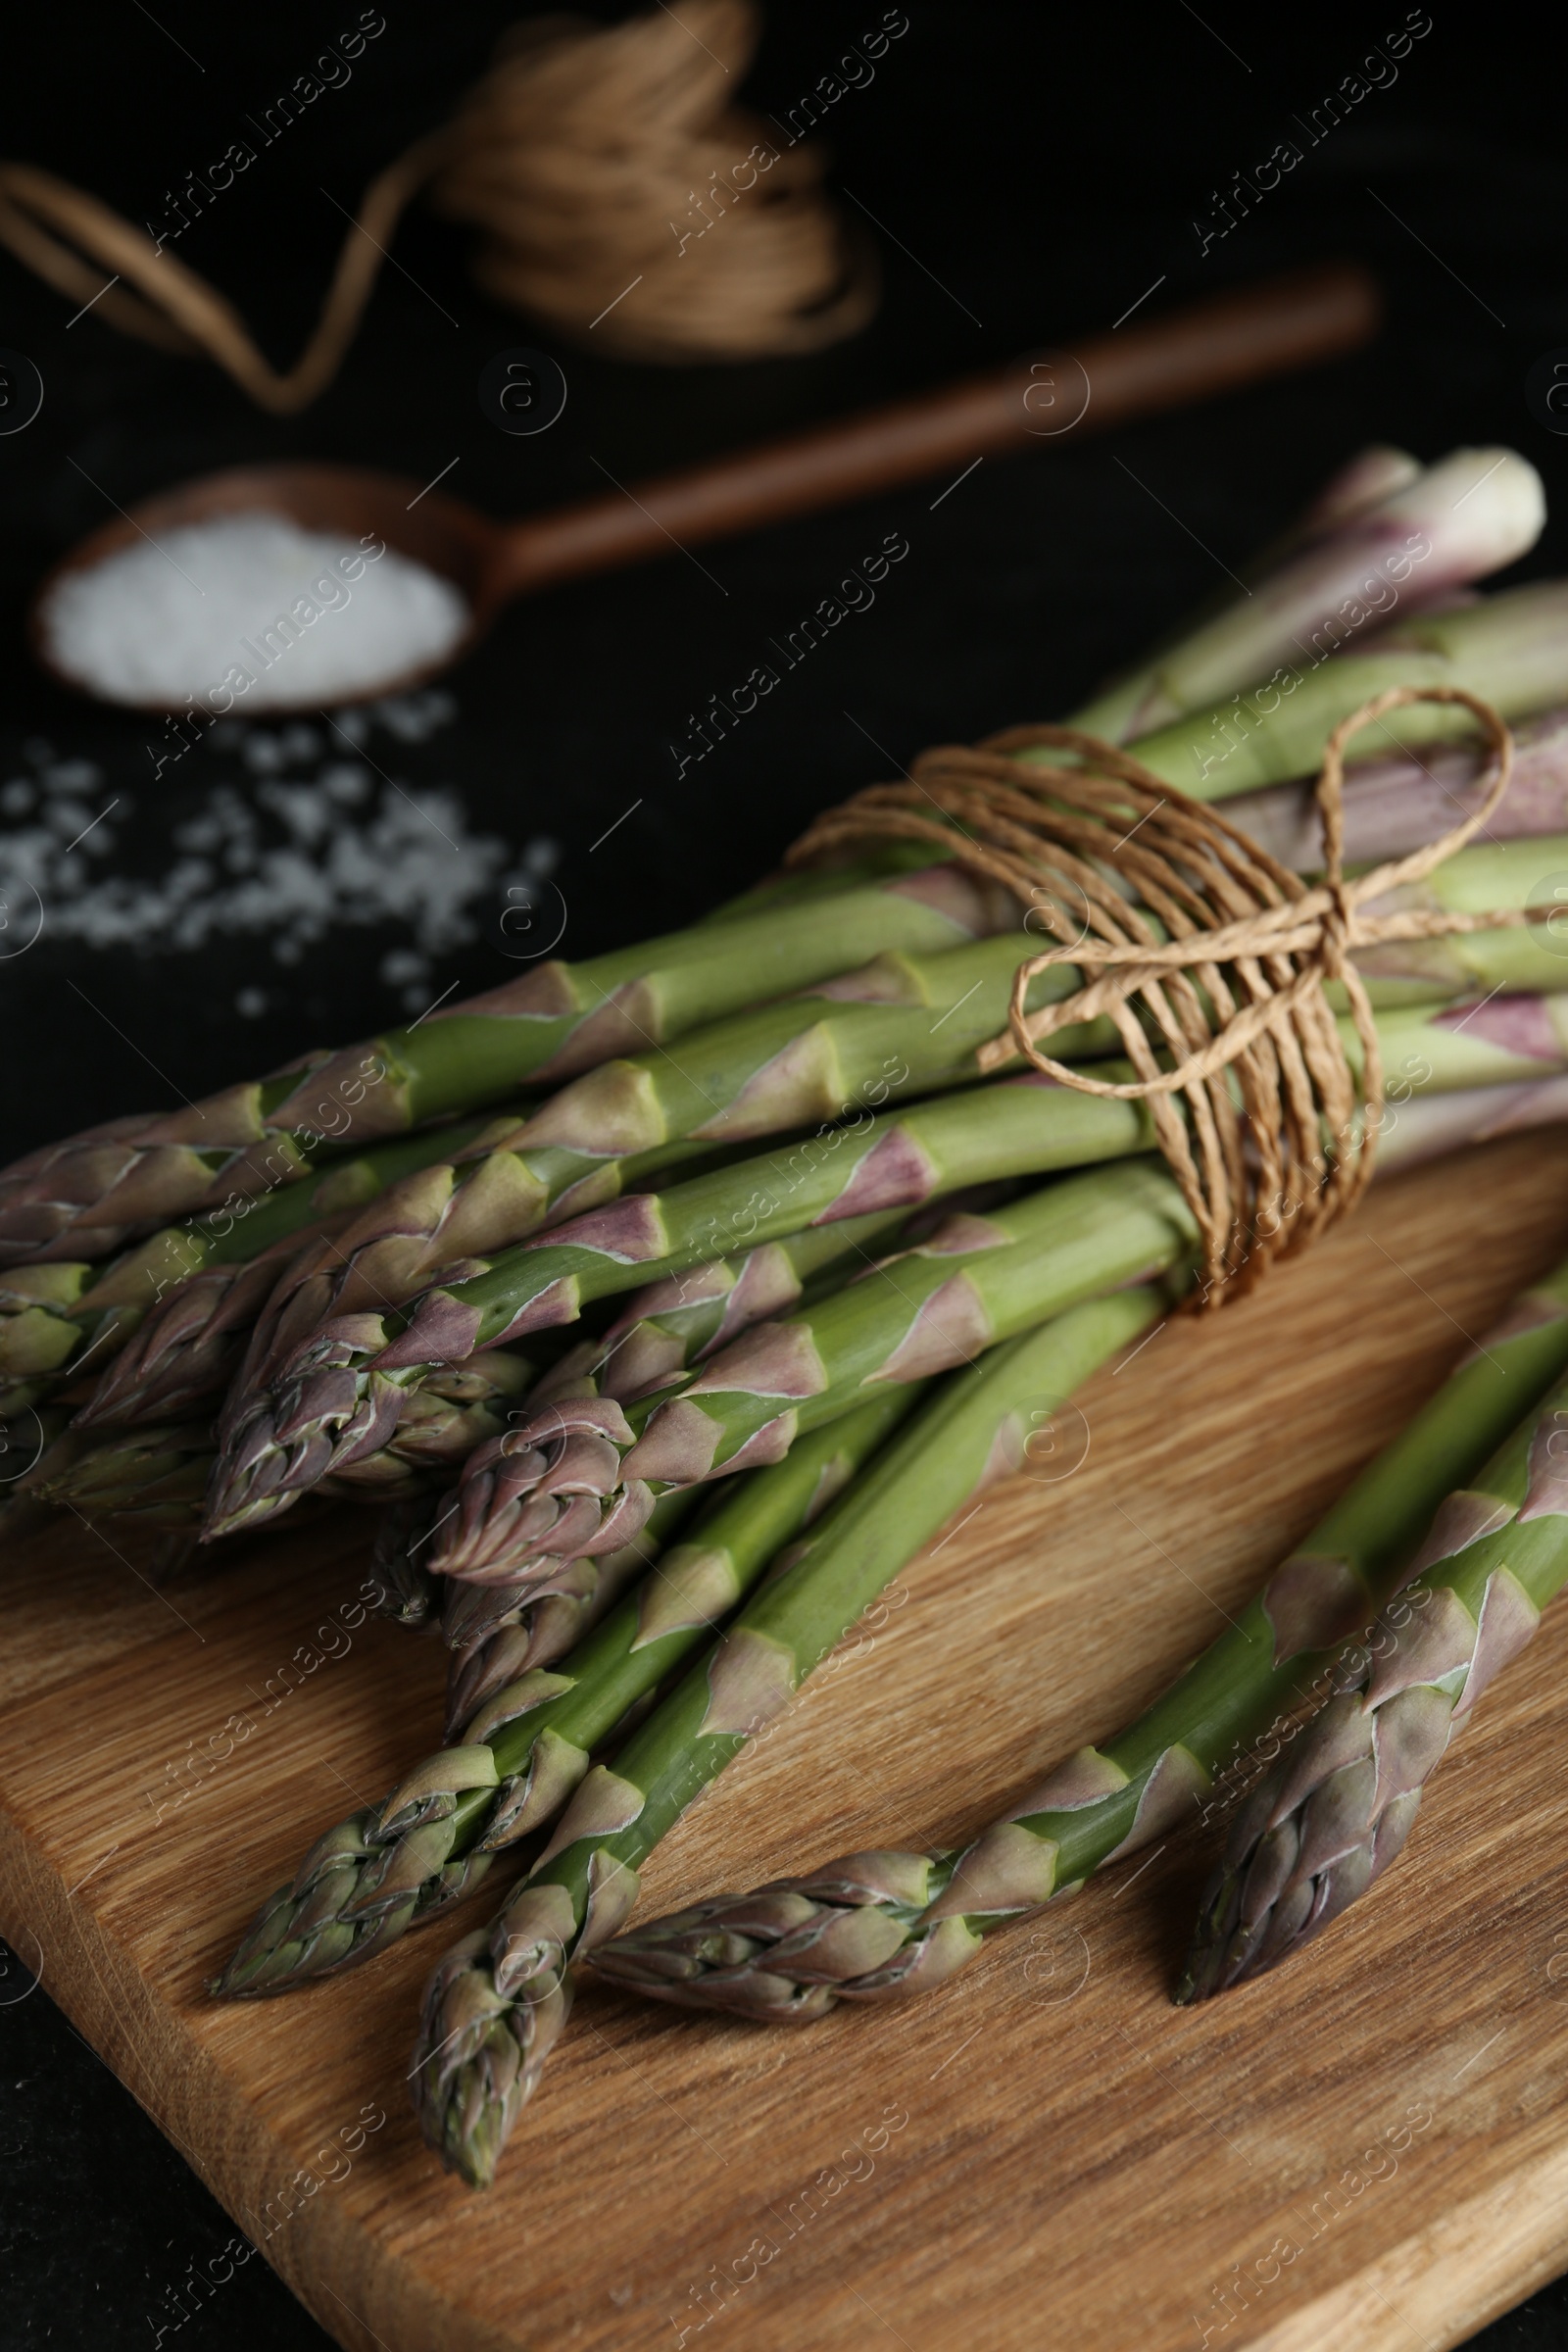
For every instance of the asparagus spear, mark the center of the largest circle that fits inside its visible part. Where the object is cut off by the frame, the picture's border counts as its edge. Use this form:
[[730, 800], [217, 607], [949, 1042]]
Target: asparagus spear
[[390, 1867], [163, 1470], [498, 1632], [1437, 1123], [497, 2002], [1332, 1816], [496, 1639], [580, 1476], [1454, 522], [160, 1473], [1400, 803], [62, 1319], [884, 1925], [80, 1197], [1349, 494], [1511, 649], [156, 1477], [186, 1348], [512, 1769], [900, 1023], [1483, 879], [343, 1390]]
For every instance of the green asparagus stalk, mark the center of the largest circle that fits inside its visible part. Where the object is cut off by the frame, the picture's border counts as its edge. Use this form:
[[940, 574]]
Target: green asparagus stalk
[[389, 1867], [1483, 880], [1455, 522], [1400, 803], [514, 1767], [1332, 1816], [1511, 650], [580, 1475], [901, 1024], [496, 1639], [63, 1320], [80, 1198], [499, 1635], [496, 2004], [885, 1925], [1349, 494], [342, 1390], [1498, 1041], [1426, 1128], [670, 1325], [1352, 492], [160, 1473]]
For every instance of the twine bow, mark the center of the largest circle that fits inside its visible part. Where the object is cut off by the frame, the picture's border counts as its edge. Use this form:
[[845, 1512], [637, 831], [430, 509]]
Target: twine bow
[[1210, 960]]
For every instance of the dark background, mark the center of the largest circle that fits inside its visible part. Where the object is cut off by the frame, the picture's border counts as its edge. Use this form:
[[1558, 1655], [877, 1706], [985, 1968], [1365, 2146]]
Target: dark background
[[1039, 169]]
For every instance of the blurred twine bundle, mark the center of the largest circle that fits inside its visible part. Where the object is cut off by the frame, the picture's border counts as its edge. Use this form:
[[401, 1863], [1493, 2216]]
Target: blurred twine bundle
[[590, 157], [593, 161]]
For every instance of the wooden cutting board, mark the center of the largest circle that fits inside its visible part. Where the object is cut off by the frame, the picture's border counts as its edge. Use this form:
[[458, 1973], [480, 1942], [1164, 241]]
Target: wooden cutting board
[[1365, 2150]]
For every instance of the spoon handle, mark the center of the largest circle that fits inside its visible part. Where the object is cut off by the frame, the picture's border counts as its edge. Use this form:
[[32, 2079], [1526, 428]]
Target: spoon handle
[[1210, 347]]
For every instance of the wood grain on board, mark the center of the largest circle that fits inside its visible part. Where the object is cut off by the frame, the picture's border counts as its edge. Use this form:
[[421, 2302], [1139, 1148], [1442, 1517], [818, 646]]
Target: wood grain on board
[[1043, 2153]]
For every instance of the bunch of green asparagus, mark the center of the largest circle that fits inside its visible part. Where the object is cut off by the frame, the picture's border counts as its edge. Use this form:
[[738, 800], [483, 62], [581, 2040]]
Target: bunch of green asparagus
[[670, 1303]]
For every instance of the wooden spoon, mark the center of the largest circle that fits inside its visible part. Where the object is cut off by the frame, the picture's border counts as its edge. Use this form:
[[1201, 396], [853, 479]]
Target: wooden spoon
[[1211, 347]]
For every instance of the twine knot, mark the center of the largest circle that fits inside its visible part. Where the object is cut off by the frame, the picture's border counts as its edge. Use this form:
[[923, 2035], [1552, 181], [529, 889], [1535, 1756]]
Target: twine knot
[[1210, 958]]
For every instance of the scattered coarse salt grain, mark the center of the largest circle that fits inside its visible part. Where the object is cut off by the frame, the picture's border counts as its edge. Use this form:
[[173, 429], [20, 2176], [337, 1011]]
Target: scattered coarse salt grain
[[270, 854], [248, 613]]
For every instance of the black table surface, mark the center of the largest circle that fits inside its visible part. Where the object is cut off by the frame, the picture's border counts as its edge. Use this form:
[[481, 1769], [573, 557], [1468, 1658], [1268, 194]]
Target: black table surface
[[1031, 173]]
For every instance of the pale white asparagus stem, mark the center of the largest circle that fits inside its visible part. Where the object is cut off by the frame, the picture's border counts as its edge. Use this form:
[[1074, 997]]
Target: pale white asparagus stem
[[1461, 519]]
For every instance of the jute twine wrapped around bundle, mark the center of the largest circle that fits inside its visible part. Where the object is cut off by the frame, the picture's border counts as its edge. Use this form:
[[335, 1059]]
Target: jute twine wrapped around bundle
[[588, 156], [1219, 998]]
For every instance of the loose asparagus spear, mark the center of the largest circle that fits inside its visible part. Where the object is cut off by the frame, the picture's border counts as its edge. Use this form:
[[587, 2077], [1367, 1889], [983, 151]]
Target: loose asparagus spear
[[1454, 522], [81, 1197], [62, 1320], [496, 2004], [884, 1926], [1332, 1816], [392, 1866]]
